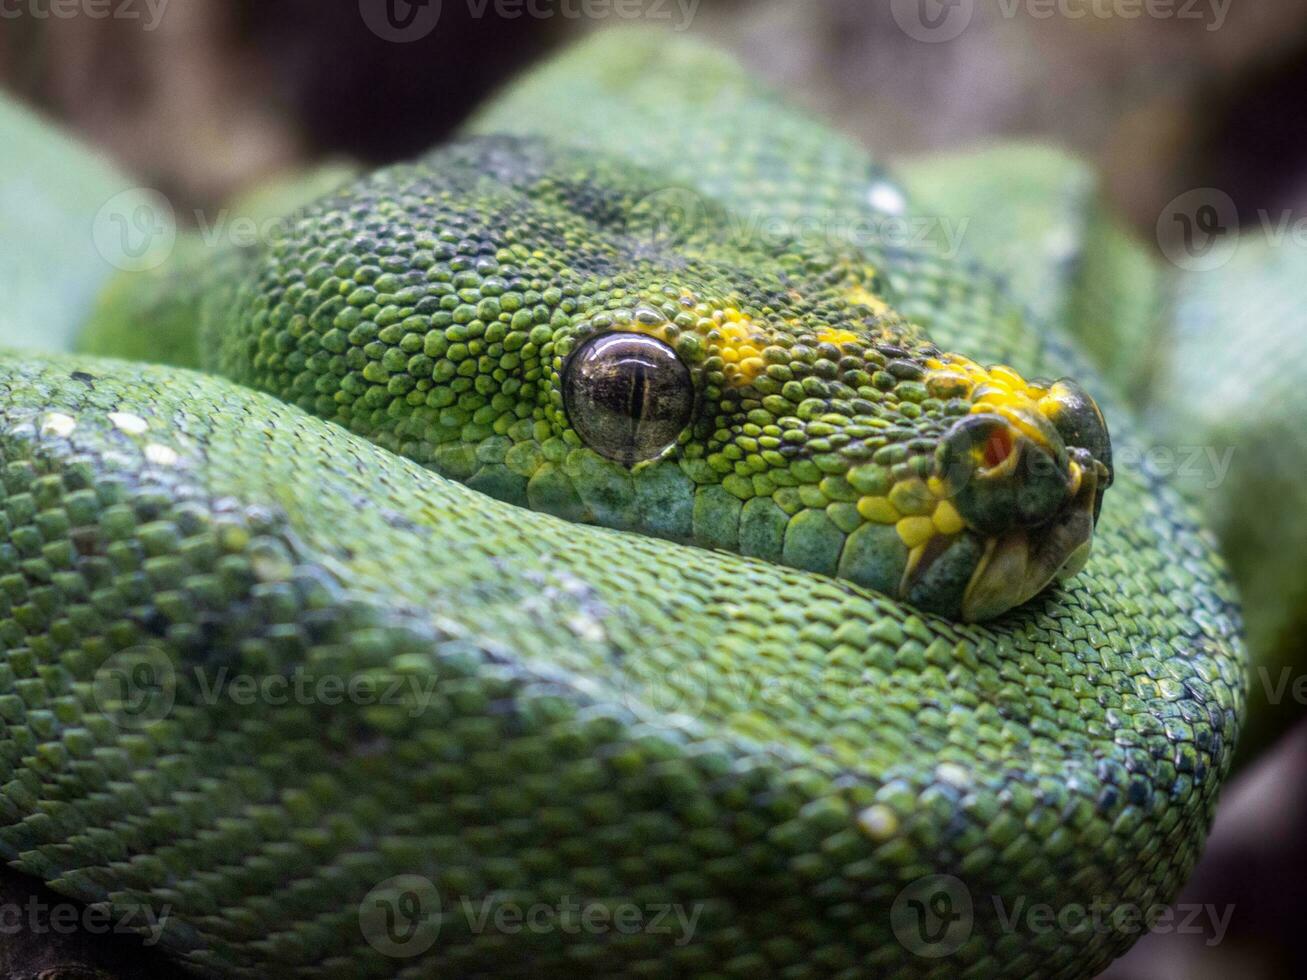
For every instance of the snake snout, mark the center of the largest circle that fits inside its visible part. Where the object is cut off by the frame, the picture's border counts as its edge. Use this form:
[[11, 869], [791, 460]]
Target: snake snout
[[1028, 479], [1080, 423]]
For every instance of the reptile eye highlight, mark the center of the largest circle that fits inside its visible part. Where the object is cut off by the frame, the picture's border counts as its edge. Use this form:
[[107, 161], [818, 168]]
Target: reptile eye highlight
[[628, 396]]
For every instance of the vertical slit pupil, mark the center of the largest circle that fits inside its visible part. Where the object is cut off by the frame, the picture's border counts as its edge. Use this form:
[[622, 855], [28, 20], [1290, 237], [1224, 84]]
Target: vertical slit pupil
[[638, 406], [628, 396]]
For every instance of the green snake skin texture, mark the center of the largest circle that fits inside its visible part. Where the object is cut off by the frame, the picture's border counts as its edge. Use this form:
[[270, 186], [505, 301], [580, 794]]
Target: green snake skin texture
[[1188, 345], [564, 713], [1232, 316]]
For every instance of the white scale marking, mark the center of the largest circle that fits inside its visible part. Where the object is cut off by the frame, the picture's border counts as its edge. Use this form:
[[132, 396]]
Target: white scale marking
[[58, 424], [133, 425], [886, 198], [161, 455]]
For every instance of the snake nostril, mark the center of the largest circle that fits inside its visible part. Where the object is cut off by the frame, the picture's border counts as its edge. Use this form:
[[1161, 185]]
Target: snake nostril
[[1079, 422]]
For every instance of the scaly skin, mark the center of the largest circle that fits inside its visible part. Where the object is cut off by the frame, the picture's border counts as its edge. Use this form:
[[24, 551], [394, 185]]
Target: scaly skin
[[1233, 317], [828, 434], [1190, 348], [589, 714]]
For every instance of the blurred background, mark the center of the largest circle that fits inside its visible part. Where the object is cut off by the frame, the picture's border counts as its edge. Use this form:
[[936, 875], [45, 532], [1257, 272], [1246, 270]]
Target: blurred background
[[199, 97], [203, 98]]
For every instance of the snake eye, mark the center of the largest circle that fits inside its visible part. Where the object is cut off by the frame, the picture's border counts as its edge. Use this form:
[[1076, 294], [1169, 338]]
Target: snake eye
[[628, 396]]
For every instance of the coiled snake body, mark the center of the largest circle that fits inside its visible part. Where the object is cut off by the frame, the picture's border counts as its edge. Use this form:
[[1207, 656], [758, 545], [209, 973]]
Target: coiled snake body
[[669, 563]]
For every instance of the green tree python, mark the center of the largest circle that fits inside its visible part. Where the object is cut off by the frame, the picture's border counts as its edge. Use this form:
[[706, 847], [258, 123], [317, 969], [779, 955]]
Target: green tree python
[[667, 536]]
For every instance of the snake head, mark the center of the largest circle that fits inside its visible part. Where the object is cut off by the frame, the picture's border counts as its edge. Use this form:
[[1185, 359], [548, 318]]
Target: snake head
[[513, 315], [961, 489], [1026, 473]]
